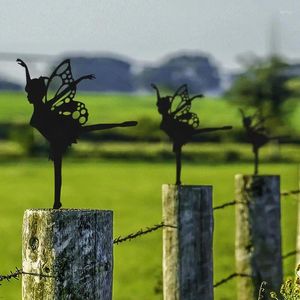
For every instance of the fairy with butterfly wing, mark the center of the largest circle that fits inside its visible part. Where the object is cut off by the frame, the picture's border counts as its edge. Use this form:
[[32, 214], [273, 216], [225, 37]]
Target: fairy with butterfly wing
[[57, 116], [257, 134], [178, 122]]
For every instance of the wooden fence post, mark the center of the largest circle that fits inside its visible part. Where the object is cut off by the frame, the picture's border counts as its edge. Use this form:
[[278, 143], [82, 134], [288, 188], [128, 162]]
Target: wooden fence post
[[298, 226], [74, 248], [187, 249], [258, 234]]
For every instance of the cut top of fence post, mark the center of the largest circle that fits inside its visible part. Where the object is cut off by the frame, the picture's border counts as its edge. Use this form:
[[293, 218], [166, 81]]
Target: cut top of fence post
[[258, 186], [73, 248]]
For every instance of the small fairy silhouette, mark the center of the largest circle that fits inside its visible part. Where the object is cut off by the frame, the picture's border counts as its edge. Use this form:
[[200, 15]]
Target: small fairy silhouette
[[256, 134], [178, 122], [56, 115]]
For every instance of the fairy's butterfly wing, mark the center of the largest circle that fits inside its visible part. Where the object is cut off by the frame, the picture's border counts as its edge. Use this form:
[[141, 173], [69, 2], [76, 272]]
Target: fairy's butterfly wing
[[60, 87], [61, 90], [189, 118], [180, 108], [75, 110], [180, 101]]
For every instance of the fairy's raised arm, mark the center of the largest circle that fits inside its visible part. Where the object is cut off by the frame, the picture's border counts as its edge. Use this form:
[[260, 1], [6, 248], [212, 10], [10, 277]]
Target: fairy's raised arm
[[90, 77], [67, 84], [157, 90], [22, 63]]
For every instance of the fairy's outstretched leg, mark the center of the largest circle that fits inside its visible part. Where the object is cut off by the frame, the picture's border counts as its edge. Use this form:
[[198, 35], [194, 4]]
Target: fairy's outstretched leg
[[206, 130], [107, 126], [57, 161], [177, 151]]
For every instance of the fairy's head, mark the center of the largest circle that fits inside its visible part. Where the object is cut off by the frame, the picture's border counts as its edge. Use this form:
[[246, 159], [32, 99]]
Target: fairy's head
[[36, 90], [247, 120]]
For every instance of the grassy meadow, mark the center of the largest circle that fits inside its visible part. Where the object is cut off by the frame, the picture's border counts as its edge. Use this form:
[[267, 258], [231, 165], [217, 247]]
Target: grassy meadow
[[108, 185], [132, 189]]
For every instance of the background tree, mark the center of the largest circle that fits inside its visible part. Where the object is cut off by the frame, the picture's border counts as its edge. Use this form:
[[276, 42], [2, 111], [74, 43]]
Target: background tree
[[263, 86]]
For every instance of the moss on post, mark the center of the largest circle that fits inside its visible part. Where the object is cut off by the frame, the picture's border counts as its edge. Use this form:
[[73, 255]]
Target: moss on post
[[73, 248]]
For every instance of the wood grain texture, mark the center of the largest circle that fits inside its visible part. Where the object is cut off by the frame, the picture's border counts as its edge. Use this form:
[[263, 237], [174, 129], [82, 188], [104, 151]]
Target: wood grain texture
[[75, 247], [258, 234], [187, 249]]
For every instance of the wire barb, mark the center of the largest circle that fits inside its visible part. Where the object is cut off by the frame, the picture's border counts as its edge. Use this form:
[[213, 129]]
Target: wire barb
[[11, 275]]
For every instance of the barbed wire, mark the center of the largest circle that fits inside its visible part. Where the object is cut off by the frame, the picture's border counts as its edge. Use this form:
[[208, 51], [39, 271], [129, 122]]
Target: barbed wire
[[141, 232], [230, 203], [230, 277], [234, 202], [289, 193], [11, 275], [289, 254], [17, 273], [233, 275]]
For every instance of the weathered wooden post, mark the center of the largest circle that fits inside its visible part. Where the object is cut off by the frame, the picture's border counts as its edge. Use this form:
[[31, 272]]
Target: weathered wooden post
[[258, 234], [187, 248], [298, 224], [74, 248]]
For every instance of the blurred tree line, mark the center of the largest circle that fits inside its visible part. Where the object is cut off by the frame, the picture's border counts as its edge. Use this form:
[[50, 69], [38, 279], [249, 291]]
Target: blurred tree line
[[266, 85]]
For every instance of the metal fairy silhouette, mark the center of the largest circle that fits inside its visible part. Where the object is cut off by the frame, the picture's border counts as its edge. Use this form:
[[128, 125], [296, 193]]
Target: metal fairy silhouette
[[256, 134], [178, 122], [56, 115]]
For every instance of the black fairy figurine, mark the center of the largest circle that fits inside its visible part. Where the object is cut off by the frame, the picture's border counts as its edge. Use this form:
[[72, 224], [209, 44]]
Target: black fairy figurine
[[256, 134], [178, 122], [56, 115]]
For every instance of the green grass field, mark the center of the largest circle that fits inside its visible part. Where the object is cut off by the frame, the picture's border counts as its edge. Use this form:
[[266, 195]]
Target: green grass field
[[133, 191]]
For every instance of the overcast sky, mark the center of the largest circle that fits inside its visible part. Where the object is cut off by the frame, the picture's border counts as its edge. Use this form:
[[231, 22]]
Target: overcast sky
[[148, 30]]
